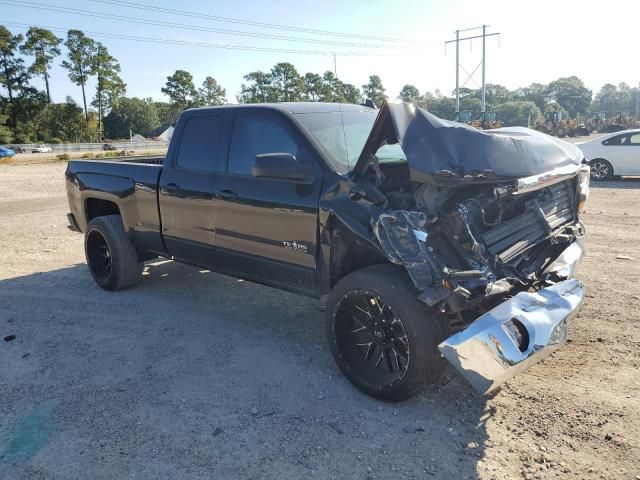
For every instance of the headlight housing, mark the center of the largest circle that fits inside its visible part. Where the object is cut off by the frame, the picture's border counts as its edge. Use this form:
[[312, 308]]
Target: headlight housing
[[582, 190]]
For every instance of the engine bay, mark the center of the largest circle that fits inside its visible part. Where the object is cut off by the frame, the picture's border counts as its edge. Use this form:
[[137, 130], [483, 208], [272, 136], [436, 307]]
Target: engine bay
[[468, 244]]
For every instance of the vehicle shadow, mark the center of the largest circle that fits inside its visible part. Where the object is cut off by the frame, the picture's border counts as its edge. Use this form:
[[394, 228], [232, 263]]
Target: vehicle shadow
[[618, 182], [196, 374]]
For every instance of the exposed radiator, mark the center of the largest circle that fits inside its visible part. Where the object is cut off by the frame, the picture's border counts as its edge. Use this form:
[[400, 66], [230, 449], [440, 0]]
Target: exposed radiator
[[553, 207]]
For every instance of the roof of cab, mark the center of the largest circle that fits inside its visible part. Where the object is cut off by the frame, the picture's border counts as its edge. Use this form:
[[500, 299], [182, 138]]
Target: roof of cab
[[297, 107]]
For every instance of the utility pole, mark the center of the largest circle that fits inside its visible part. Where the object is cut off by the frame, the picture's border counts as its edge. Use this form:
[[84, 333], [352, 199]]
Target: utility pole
[[638, 104], [457, 117], [469, 76], [335, 65], [483, 105]]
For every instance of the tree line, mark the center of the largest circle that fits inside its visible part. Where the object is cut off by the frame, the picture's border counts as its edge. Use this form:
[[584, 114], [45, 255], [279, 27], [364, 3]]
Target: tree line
[[28, 114]]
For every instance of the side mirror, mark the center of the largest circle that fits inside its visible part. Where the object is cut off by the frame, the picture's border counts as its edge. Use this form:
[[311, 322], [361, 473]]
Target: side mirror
[[283, 166]]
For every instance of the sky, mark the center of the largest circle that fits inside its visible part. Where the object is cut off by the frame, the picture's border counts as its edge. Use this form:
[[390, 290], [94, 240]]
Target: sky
[[538, 42]]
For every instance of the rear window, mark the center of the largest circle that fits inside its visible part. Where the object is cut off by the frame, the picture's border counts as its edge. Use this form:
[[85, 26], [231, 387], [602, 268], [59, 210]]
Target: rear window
[[203, 145]]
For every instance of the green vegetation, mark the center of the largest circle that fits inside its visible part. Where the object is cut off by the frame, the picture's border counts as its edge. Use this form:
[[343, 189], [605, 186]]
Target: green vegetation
[[131, 115], [110, 86], [27, 114], [284, 84], [80, 60], [43, 45]]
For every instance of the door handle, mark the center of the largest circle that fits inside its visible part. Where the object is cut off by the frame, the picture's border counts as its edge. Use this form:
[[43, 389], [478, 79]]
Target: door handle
[[226, 195], [171, 187]]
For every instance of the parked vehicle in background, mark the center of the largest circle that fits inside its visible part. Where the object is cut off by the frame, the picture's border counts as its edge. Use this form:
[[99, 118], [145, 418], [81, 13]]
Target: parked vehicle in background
[[108, 146], [17, 148], [419, 236], [7, 152], [613, 154], [41, 149]]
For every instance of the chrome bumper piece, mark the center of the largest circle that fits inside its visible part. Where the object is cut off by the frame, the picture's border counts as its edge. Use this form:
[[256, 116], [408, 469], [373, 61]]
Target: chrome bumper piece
[[520, 331], [566, 265]]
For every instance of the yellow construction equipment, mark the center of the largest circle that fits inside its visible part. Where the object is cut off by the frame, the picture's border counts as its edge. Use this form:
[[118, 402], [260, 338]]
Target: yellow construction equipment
[[621, 121], [553, 124], [490, 121]]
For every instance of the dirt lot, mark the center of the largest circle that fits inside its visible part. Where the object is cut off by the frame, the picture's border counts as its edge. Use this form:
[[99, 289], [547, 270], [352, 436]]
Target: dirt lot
[[196, 375]]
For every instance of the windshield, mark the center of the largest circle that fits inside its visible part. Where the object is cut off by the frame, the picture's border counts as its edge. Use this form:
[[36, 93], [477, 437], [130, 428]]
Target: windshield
[[343, 135]]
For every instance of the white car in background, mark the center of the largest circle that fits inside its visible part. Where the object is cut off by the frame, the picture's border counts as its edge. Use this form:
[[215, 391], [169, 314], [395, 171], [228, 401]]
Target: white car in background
[[41, 149], [613, 154]]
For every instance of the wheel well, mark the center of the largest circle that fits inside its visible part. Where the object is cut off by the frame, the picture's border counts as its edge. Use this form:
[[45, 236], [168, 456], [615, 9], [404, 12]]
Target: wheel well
[[348, 254], [97, 207]]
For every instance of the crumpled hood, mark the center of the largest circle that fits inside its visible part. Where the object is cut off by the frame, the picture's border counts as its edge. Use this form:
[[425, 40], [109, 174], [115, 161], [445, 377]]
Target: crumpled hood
[[454, 152]]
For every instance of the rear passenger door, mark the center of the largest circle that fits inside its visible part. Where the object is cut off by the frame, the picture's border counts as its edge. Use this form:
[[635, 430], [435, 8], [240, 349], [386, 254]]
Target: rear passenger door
[[630, 153], [188, 186], [267, 228]]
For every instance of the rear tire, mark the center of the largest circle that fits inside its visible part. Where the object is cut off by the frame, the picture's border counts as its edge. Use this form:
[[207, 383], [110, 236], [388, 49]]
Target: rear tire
[[384, 340], [600, 169], [111, 257]]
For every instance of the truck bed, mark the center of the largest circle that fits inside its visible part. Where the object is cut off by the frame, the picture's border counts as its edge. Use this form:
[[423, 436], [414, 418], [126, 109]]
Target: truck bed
[[142, 160], [126, 184]]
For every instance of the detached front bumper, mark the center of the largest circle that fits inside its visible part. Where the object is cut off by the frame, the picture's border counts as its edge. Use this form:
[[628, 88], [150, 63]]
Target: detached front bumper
[[520, 331]]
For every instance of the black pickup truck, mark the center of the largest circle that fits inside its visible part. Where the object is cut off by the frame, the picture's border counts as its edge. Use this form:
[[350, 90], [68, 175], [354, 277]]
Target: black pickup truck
[[423, 239]]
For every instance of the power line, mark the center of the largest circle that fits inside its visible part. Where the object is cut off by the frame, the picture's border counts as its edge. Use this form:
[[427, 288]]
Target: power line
[[181, 26], [216, 18], [166, 41]]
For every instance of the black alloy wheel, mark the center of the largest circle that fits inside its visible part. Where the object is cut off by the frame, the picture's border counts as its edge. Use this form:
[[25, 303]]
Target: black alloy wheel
[[112, 259], [382, 337], [371, 338], [99, 257]]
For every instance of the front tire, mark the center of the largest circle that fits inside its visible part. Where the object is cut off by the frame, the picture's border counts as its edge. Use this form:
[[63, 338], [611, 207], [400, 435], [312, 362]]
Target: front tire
[[600, 169], [111, 257], [384, 340]]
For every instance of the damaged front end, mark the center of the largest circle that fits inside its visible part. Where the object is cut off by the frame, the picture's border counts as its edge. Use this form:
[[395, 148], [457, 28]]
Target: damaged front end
[[492, 243]]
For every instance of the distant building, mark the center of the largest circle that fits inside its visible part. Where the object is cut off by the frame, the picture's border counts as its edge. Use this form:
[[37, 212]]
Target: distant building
[[163, 133], [137, 138]]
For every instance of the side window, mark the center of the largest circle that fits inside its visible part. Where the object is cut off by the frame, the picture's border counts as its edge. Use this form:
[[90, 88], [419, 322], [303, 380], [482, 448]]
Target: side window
[[254, 135], [203, 145], [618, 140], [635, 139]]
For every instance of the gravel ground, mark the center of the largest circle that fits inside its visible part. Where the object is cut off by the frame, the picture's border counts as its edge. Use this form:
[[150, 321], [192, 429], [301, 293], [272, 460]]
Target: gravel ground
[[196, 375]]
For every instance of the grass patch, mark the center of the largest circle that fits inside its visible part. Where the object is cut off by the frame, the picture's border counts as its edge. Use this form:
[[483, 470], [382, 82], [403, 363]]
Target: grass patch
[[63, 157], [7, 161]]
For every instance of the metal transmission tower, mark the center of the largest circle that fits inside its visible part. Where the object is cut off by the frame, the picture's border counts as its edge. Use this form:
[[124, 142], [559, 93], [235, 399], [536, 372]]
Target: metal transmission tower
[[457, 41]]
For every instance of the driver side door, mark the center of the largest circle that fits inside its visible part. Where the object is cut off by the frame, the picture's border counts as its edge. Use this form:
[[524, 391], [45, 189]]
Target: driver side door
[[267, 228]]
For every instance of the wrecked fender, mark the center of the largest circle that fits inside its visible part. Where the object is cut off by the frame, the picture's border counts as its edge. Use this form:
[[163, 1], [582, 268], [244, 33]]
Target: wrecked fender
[[401, 235]]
